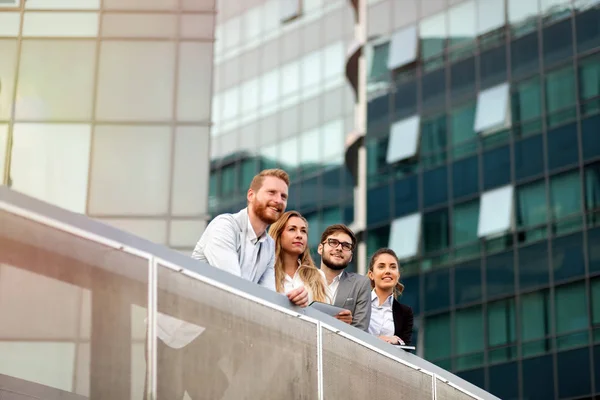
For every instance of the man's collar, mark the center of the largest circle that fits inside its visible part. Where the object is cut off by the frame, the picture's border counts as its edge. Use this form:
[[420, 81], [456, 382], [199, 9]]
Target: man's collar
[[251, 235]]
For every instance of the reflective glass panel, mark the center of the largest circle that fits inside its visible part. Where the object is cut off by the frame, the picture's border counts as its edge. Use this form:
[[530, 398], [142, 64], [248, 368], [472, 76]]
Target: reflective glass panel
[[469, 330], [435, 231], [529, 157], [378, 204], [437, 341], [406, 196], [467, 283], [588, 30], [437, 290], [433, 32], [565, 195], [558, 42], [589, 137], [404, 236], [537, 372], [535, 309], [560, 94], [496, 167], [574, 382], [524, 54], [462, 131], [490, 15], [501, 323], [435, 190], [531, 205], [465, 218], [500, 274], [533, 266], [568, 257], [461, 20], [465, 177], [570, 308]]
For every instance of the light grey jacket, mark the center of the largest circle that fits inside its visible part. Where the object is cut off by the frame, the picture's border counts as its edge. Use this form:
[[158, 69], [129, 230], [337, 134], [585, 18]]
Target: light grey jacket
[[354, 294], [223, 246]]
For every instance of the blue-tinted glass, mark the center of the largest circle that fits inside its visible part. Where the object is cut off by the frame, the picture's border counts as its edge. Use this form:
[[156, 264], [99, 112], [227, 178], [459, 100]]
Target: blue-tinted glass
[[435, 231], [348, 213], [310, 189], [475, 376], [531, 205], [378, 71], [538, 378], [565, 195], [433, 88], [467, 283], [501, 323], [410, 295], [468, 338], [465, 177], [500, 274], [333, 187], [504, 381], [589, 85], [376, 155], [378, 204], [496, 167], [570, 307], [558, 42], [406, 196], [437, 290], [465, 219], [435, 186], [560, 96], [492, 67], [438, 342], [377, 238], [526, 101], [590, 137], [463, 137], [378, 109], [524, 55], [529, 157], [594, 249], [405, 98], [567, 257], [533, 266], [588, 29], [597, 362], [462, 77], [562, 146], [433, 141], [574, 373]]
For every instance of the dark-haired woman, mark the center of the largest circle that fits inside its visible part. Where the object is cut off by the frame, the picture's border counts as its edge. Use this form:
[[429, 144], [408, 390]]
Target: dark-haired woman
[[390, 320]]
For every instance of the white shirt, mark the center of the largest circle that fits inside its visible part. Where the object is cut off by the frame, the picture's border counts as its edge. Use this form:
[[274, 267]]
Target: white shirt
[[382, 317], [248, 267], [291, 283], [332, 288]]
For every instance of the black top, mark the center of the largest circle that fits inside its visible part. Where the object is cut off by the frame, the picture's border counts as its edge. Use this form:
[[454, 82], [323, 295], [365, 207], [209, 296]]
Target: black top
[[403, 321]]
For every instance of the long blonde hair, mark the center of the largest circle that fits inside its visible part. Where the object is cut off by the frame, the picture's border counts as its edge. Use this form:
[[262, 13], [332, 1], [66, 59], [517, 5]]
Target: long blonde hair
[[307, 270]]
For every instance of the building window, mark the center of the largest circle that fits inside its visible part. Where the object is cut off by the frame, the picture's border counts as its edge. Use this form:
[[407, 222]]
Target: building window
[[565, 198], [535, 323], [437, 340], [571, 315], [433, 141], [496, 212], [493, 110], [403, 48], [404, 236], [532, 210], [404, 140], [560, 96], [289, 9], [527, 106], [435, 231], [501, 330], [378, 71], [462, 132], [464, 220], [589, 85], [592, 192], [468, 338]]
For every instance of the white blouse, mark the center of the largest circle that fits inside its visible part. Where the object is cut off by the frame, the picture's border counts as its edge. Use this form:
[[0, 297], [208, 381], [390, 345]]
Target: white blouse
[[382, 317], [291, 283]]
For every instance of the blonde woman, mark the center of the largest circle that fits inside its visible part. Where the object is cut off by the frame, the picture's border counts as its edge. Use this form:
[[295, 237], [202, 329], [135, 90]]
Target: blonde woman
[[294, 266]]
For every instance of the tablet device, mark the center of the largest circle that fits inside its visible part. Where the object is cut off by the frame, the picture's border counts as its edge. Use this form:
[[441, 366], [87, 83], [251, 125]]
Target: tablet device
[[326, 308], [405, 347]]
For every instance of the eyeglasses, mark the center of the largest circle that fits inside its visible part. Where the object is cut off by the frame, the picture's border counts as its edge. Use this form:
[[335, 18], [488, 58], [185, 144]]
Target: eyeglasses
[[335, 243]]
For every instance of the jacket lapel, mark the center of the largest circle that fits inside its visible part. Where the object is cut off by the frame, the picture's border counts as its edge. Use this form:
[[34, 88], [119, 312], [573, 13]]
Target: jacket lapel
[[343, 289]]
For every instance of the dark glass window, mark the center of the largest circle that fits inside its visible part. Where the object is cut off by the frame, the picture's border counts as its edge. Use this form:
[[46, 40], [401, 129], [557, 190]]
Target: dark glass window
[[376, 239], [438, 343], [590, 137], [560, 96], [529, 157], [376, 155], [538, 376], [503, 381], [467, 283], [535, 322], [437, 290], [228, 180], [531, 204], [589, 85], [332, 190], [406, 198], [567, 257], [462, 131], [433, 88], [378, 70], [310, 189], [562, 146], [378, 110], [435, 231], [558, 42], [588, 29], [433, 141], [574, 382], [594, 249], [500, 274], [527, 107], [410, 295], [378, 204], [592, 193], [565, 195], [492, 67], [474, 376], [435, 186], [496, 167], [524, 55], [533, 266], [465, 177], [463, 77], [501, 323], [468, 338], [570, 308], [465, 220], [314, 223], [405, 97], [249, 169]]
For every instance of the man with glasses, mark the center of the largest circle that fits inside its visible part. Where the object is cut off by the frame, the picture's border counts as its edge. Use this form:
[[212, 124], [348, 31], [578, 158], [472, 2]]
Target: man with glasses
[[346, 289]]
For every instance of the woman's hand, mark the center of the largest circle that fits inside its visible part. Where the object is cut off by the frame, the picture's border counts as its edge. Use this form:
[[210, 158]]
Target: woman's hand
[[392, 339], [299, 296]]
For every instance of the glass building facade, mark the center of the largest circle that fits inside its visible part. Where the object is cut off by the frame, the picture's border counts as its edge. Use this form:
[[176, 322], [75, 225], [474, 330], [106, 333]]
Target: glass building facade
[[105, 110], [281, 99], [483, 148], [483, 165]]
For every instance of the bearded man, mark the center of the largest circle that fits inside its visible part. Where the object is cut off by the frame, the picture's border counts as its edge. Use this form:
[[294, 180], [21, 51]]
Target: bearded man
[[239, 243]]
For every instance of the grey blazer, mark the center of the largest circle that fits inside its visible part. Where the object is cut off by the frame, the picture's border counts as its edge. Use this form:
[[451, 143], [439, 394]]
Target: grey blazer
[[223, 246], [354, 294]]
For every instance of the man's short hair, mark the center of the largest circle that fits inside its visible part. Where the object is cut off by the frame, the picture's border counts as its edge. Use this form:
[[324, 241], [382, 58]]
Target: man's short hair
[[257, 181], [332, 229]]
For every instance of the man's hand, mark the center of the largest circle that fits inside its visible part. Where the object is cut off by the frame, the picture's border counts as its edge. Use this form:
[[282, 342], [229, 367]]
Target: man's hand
[[299, 296], [345, 316]]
